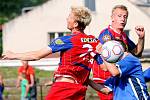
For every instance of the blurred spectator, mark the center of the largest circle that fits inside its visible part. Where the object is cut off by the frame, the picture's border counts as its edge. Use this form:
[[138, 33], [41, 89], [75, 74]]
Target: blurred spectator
[[30, 76], [25, 95], [1, 87]]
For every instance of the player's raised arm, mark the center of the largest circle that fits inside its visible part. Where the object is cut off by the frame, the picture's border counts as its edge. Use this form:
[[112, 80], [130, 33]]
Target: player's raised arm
[[33, 55], [140, 45]]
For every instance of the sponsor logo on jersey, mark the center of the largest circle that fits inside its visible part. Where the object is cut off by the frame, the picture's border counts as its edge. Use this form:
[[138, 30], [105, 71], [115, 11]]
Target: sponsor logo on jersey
[[59, 41], [106, 38], [90, 40]]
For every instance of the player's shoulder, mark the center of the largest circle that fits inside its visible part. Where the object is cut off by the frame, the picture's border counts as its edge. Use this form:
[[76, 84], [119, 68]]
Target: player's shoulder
[[104, 31], [91, 36], [30, 67], [21, 68], [65, 37], [83, 35], [62, 39]]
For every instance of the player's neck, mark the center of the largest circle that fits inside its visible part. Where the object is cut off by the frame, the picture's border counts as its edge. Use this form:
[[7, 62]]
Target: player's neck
[[77, 31], [115, 29]]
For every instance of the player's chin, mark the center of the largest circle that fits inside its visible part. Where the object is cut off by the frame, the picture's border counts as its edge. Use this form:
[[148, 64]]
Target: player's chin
[[121, 28], [122, 25]]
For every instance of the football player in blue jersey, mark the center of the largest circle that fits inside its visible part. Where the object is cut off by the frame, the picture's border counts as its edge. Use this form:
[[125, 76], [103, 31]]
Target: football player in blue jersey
[[127, 81]]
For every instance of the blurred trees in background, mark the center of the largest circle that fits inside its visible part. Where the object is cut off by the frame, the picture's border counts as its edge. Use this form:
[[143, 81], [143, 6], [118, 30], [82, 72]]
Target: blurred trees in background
[[9, 9], [12, 8]]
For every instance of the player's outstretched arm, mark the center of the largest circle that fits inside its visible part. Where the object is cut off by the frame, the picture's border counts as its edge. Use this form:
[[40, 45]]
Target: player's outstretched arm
[[98, 87], [30, 56]]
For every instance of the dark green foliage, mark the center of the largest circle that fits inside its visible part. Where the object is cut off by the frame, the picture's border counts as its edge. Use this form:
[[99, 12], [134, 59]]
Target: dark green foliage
[[9, 9], [12, 8]]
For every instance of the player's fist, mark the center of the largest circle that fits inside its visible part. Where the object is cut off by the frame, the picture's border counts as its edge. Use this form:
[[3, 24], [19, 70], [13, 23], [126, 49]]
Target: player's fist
[[140, 31]]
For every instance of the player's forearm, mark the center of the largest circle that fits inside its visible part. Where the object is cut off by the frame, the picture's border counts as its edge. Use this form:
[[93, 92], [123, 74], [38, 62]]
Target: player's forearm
[[34, 55], [98, 87], [20, 56], [140, 47], [30, 56], [112, 68]]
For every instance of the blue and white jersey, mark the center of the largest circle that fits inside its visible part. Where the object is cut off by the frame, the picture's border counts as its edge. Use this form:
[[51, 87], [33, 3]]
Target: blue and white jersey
[[146, 74], [130, 85]]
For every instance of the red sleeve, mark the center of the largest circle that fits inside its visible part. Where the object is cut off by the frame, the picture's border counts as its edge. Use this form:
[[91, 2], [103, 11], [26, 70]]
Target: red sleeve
[[20, 70]]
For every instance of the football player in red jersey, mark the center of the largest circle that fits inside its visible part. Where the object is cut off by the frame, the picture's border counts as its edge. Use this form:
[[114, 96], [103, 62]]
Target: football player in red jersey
[[116, 31], [75, 53]]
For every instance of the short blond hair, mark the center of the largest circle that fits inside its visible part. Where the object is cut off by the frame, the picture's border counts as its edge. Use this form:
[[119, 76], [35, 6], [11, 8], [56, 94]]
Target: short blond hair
[[120, 7], [82, 16]]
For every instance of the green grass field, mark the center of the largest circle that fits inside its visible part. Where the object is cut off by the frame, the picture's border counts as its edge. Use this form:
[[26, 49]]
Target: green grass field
[[13, 93], [10, 76]]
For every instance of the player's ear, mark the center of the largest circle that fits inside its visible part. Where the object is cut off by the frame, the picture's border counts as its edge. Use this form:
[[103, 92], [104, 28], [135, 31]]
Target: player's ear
[[76, 24], [112, 18]]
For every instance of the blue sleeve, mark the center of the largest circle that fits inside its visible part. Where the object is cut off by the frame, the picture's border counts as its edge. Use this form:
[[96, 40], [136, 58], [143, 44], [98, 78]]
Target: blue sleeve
[[105, 36], [131, 44], [146, 74], [61, 44], [128, 65], [110, 82], [98, 59], [123, 69]]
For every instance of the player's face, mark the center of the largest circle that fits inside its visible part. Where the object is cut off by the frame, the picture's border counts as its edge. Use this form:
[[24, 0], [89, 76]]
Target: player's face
[[119, 18], [25, 63], [71, 21]]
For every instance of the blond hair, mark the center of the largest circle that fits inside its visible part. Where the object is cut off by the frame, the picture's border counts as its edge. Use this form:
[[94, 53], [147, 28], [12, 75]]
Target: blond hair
[[82, 16], [120, 7]]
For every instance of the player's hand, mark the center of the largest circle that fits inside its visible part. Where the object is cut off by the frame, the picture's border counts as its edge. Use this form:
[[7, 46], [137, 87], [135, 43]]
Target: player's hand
[[99, 48], [8, 55], [48, 83], [17, 85], [140, 31]]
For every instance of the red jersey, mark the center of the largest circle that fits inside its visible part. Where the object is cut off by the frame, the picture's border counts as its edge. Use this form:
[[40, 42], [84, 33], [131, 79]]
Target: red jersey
[[107, 34], [75, 55], [29, 71]]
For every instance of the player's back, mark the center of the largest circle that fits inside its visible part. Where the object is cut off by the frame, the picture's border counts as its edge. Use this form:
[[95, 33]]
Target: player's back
[[75, 61]]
